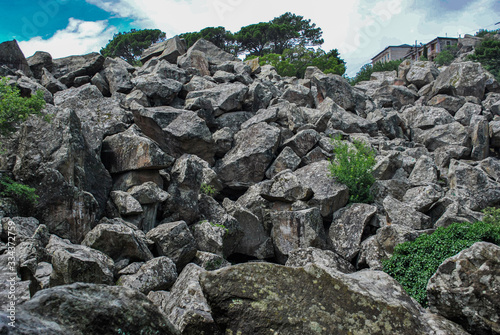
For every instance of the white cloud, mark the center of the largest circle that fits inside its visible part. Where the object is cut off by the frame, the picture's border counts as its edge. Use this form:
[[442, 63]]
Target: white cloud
[[78, 38]]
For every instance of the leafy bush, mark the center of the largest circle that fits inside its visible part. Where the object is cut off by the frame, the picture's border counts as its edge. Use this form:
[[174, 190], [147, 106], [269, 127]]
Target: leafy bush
[[20, 192], [447, 56], [208, 189], [414, 263], [488, 54], [352, 166], [14, 108]]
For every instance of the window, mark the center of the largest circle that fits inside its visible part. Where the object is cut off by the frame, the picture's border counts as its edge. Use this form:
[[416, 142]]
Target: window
[[448, 43]]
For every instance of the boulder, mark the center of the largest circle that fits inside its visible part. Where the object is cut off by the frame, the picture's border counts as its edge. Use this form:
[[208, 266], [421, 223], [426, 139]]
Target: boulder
[[303, 141], [422, 73], [186, 307], [70, 179], [155, 275], [50, 82], [297, 229], [321, 258], [494, 132], [213, 54], [339, 90], [117, 75], [209, 261], [12, 57], [425, 117], [380, 246], [118, 241], [299, 95], [68, 68], [465, 79], [169, 50], [38, 62], [224, 97], [448, 102], [480, 137], [347, 229], [393, 96], [402, 214], [77, 263], [421, 198], [472, 186], [451, 134], [328, 195], [174, 240], [90, 309], [253, 298], [246, 163], [186, 179], [347, 121], [286, 160], [196, 61], [465, 113], [465, 288], [159, 91], [286, 187], [255, 240], [425, 172], [125, 203]]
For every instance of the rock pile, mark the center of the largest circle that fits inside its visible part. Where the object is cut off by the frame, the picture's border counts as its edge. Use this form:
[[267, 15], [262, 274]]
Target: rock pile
[[128, 166]]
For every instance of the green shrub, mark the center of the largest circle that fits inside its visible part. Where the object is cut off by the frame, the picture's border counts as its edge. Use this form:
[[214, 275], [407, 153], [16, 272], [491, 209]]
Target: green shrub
[[208, 189], [414, 263], [352, 166], [20, 192], [14, 108], [447, 56], [488, 54]]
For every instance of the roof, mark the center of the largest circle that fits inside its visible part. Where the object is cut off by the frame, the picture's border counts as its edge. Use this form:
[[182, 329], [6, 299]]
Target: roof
[[392, 46]]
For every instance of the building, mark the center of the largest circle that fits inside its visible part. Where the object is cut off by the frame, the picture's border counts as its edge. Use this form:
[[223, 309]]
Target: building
[[392, 53], [434, 47]]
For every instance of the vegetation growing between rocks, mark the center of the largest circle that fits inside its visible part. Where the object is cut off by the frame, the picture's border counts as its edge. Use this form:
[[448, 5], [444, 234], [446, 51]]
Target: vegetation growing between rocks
[[14, 109], [488, 54], [414, 263], [352, 166], [208, 189], [447, 56]]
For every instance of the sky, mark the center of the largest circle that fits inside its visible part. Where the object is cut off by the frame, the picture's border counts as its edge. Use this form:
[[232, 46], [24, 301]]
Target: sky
[[359, 29]]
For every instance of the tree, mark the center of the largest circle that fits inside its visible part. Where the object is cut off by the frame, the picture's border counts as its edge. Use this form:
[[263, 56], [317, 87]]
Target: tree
[[129, 46], [447, 56], [222, 38], [294, 62], [284, 32], [488, 54]]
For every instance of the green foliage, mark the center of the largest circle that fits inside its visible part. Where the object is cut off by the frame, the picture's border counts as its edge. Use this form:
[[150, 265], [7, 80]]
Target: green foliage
[[294, 62], [447, 56], [214, 264], [485, 32], [352, 166], [219, 36], [208, 189], [366, 70], [20, 192], [425, 54], [14, 108], [414, 263], [130, 45], [217, 225], [488, 54], [284, 32]]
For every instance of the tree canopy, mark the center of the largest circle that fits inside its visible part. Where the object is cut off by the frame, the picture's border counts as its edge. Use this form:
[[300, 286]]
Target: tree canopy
[[284, 32], [130, 45], [294, 62], [488, 54], [219, 36]]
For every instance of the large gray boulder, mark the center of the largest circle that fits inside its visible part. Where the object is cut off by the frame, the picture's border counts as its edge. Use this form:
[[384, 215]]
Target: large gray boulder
[[347, 229], [253, 298], [340, 91], [186, 306], [160, 91], [466, 288], [328, 195], [155, 275], [297, 229], [119, 242], [82, 309], [12, 57], [465, 79], [117, 74], [403, 214], [321, 258], [246, 163], [174, 240], [131, 150], [38, 62], [68, 68], [213, 54], [70, 179], [76, 263], [422, 73], [224, 98], [169, 50]]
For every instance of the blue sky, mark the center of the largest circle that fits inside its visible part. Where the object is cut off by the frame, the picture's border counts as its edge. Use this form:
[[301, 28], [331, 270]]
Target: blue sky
[[359, 29]]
